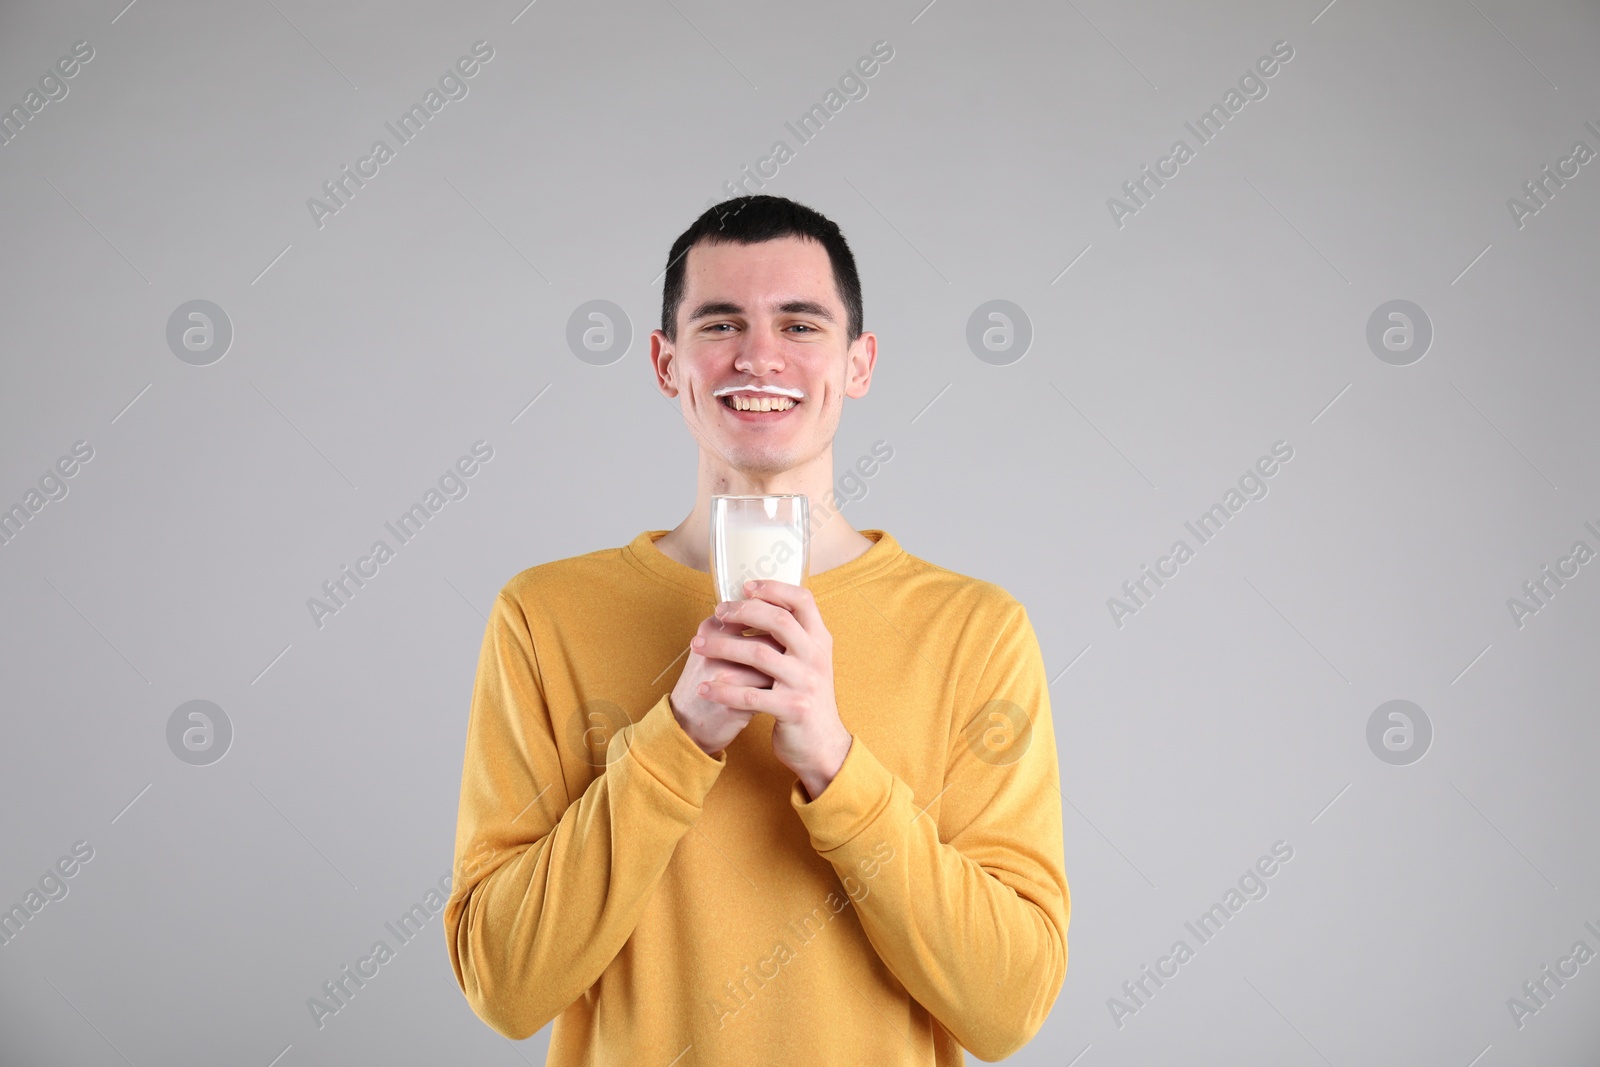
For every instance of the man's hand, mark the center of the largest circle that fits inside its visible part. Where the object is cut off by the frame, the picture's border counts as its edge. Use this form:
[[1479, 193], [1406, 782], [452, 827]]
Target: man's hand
[[710, 725], [796, 653]]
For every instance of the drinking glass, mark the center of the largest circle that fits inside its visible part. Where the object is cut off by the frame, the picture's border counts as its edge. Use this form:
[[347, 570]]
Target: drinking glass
[[757, 537]]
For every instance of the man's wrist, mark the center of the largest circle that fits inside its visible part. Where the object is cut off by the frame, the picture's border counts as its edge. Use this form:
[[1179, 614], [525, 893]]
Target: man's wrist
[[684, 727], [817, 781]]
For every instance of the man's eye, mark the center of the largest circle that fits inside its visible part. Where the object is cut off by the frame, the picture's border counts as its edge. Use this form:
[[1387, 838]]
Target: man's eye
[[719, 325], [802, 326]]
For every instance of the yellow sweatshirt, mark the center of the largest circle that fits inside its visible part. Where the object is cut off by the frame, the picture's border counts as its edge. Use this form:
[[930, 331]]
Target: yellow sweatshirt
[[667, 907]]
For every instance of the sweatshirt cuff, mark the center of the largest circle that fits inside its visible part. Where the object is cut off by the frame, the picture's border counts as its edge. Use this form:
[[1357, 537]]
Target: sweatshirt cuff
[[661, 747], [854, 800]]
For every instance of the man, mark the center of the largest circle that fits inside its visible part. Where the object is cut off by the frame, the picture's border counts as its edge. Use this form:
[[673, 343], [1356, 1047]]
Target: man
[[834, 840]]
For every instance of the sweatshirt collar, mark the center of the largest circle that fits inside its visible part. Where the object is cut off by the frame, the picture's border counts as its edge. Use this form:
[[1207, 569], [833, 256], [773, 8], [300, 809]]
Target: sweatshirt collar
[[643, 554]]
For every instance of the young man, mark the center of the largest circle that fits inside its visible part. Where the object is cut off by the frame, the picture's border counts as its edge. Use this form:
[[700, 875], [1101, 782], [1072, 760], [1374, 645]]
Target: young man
[[837, 841]]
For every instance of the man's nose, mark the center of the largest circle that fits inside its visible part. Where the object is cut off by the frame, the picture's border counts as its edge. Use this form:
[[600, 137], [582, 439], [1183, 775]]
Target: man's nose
[[760, 354]]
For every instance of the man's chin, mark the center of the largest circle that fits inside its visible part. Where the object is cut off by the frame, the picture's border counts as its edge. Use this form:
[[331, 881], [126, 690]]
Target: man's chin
[[763, 463]]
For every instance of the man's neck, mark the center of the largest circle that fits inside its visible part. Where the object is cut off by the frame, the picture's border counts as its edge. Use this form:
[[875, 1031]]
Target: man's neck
[[834, 541]]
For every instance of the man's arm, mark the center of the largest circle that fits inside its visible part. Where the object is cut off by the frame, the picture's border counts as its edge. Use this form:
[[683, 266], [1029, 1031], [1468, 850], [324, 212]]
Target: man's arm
[[969, 914], [547, 888]]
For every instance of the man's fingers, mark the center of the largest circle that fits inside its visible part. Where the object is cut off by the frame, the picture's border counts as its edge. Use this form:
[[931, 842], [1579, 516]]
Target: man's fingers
[[763, 615], [726, 670], [797, 599], [739, 697], [756, 652]]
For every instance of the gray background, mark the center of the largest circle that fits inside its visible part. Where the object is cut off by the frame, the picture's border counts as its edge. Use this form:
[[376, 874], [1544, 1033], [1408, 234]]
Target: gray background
[[1227, 314]]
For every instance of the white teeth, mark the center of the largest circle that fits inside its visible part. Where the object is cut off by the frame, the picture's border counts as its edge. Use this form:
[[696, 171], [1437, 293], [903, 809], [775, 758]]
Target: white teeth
[[761, 403]]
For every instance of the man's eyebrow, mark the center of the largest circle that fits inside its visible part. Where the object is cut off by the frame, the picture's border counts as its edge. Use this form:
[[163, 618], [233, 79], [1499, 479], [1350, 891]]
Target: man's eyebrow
[[807, 307], [713, 308]]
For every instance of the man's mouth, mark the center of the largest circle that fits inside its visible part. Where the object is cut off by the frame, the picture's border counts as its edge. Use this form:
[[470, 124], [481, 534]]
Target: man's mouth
[[742, 402], [758, 399]]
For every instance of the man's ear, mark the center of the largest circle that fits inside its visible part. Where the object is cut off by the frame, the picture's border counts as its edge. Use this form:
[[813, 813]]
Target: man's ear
[[859, 361], [664, 360]]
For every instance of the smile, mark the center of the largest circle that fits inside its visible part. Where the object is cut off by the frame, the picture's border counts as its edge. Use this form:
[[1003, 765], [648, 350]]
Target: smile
[[758, 399], [742, 402]]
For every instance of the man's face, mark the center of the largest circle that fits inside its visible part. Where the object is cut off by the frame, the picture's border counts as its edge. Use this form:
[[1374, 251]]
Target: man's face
[[762, 325]]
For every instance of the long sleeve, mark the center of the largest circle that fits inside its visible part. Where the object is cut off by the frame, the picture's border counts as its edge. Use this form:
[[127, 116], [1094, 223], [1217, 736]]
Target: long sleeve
[[968, 912], [548, 887]]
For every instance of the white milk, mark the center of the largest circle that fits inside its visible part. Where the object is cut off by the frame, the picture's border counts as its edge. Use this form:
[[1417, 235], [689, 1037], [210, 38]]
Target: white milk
[[755, 547]]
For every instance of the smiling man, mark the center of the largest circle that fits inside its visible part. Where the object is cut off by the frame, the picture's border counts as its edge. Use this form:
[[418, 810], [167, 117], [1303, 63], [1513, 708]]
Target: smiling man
[[833, 841]]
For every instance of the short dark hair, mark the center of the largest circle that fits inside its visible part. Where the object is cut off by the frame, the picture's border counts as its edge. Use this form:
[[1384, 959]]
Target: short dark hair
[[750, 220]]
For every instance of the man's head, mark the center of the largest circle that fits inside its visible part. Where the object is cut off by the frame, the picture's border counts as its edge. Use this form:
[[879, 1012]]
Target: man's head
[[752, 219], [761, 306]]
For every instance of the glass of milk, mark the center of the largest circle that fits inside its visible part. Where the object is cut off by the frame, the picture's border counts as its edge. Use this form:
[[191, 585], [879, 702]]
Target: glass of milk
[[758, 537]]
